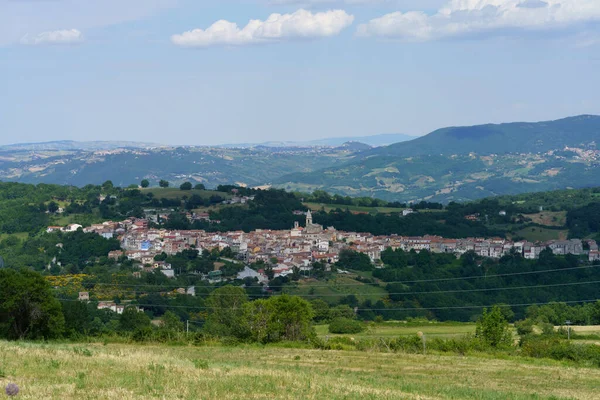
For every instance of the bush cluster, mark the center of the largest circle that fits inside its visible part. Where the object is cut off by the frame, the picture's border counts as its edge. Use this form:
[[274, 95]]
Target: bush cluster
[[346, 325]]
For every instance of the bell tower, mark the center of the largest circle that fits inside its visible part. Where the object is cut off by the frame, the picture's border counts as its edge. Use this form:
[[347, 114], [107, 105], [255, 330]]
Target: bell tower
[[309, 221]]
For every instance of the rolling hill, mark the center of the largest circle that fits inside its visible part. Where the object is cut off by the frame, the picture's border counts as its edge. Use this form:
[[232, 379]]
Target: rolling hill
[[466, 163], [449, 164], [516, 137]]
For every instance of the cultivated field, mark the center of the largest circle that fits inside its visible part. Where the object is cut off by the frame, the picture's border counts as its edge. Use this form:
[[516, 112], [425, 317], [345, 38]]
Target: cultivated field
[[116, 371], [335, 289], [395, 329]]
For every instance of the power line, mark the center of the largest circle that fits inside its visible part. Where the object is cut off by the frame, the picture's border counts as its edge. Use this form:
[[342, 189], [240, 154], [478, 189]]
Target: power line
[[374, 309], [390, 282], [389, 294]]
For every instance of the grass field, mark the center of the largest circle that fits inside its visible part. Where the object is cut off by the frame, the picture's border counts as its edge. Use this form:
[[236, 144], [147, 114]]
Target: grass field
[[358, 209], [119, 371], [542, 234], [389, 330], [20, 235], [338, 287], [549, 218]]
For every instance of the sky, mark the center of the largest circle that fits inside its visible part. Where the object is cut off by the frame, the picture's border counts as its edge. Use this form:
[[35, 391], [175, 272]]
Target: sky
[[203, 72]]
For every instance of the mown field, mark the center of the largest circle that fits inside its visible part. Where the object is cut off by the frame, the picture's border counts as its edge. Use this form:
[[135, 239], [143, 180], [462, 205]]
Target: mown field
[[536, 233], [395, 329], [356, 209], [120, 371], [335, 289]]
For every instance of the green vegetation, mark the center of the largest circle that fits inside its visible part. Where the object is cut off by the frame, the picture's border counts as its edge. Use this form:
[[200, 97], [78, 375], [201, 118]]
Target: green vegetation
[[450, 164], [128, 371]]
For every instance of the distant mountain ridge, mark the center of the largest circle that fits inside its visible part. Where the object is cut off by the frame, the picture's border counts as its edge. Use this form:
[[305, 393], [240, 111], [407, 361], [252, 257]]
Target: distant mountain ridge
[[77, 145], [466, 163], [373, 141], [515, 137], [449, 164]]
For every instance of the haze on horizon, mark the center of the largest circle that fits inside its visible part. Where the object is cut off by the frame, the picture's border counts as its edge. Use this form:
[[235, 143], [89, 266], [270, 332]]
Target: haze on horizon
[[230, 71]]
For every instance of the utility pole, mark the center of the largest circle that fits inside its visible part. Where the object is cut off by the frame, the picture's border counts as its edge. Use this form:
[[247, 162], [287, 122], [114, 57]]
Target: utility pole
[[187, 327], [568, 323]]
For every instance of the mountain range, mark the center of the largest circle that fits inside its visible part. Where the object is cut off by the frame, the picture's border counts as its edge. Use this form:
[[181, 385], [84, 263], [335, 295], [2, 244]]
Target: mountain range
[[449, 164], [373, 141]]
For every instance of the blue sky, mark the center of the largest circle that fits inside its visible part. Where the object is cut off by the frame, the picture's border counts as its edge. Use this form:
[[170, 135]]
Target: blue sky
[[199, 72]]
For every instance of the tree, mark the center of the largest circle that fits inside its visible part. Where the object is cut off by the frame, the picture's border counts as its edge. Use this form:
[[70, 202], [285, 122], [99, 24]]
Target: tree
[[291, 318], [108, 185], [163, 183], [28, 309], [185, 186], [341, 311], [321, 310], [226, 311], [52, 207], [492, 328], [200, 186], [350, 259], [133, 320], [171, 325], [279, 318], [145, 183], [76, 316], [345, 325]]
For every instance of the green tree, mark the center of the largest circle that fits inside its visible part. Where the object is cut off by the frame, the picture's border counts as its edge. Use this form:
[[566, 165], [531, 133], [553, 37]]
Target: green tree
[[108, 185], [145, 183], [200, 186], [321, 310], [493, 329], [133, 320], [28, 310], [185, 186], [76, 318], [291, 318], [163, 183], [341, 311], [52, 207], [226, 311]]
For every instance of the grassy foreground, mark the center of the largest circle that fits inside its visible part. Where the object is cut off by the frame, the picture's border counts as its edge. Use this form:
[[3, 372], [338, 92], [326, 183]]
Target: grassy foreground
[[119, 371]]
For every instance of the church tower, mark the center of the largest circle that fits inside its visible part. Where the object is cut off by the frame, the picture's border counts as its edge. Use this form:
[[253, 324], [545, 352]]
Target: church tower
[[308, 219]]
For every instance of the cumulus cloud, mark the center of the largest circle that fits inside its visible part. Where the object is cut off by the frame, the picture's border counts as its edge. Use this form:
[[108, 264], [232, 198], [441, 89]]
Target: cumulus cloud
[[472, 17], [65, 36], [300, 24]]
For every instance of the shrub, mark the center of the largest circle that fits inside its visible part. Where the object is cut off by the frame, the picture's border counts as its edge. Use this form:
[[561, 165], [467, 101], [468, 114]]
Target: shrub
[[524, 327], [559, 349], [345, 325], [407, 344], [492, 328]]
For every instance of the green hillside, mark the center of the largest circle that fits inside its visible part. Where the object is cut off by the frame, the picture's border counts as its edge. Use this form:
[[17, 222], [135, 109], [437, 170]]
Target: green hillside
[[468, 163], [516, 137]]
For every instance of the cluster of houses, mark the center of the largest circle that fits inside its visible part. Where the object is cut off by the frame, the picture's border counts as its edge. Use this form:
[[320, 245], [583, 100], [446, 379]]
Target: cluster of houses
[[300, 247]]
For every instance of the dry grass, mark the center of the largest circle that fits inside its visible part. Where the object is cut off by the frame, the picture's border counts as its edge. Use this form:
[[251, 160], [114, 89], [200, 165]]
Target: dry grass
[[549, 218], [55, 371]]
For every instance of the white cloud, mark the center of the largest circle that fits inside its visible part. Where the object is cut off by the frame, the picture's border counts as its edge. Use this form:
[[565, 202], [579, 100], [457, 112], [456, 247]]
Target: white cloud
[[65, 36], [300, 24], [474, 17], [19, 17]]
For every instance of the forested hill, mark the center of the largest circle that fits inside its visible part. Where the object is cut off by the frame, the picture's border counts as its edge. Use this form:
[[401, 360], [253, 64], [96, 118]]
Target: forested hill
[[516, 137], [468, 163]]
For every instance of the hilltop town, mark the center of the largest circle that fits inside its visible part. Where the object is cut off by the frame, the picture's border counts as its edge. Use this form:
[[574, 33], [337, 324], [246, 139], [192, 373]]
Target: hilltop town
[[300, 247]]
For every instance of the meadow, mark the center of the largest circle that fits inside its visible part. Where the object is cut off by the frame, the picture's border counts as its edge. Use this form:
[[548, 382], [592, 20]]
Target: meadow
[[336, 289], [433, 329], [124, 371]]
